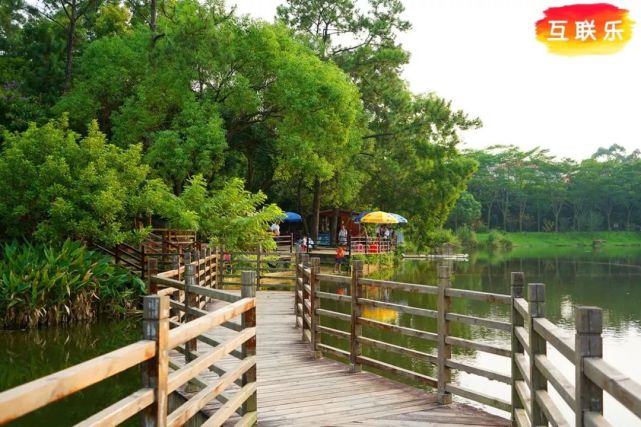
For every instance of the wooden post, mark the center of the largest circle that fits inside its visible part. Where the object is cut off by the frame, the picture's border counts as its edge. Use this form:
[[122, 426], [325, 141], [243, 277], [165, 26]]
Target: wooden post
[[443, 328], [588, 343], [156, 371], [297, 288], [314, 284], [152, 270], [258, 266], [220, 266], [517, 281], [305, 296], [536, 308], [356, 329], [143, 262], [211, 269], [189, 282], [291, 243], [196, 260], [248, 319]]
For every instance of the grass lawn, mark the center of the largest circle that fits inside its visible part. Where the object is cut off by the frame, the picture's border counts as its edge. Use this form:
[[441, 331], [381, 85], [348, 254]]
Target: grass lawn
[[542, 239]]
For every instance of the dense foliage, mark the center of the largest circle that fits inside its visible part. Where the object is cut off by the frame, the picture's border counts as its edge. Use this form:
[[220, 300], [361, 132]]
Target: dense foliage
[[56, 185], [309, 121], [40, 284], [533, 191]]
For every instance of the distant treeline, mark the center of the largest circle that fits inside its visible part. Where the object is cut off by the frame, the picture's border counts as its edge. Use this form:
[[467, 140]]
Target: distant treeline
[[515, 190]]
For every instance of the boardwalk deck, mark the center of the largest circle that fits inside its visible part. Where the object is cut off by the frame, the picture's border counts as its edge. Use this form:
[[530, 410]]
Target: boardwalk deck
[[294, 389]]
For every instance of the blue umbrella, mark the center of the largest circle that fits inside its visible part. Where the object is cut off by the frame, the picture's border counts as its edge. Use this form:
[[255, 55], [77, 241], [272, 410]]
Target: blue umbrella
[[401, 219], [292, 217], [357, 218]]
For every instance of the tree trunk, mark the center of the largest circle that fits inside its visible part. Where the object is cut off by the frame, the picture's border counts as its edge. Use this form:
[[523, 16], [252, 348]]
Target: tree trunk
[[316, 209], [489, 215], [333, 227], [71, 42], [152, 17]]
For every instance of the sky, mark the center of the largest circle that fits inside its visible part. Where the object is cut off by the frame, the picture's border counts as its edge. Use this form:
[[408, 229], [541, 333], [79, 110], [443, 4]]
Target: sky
[[483, 55]]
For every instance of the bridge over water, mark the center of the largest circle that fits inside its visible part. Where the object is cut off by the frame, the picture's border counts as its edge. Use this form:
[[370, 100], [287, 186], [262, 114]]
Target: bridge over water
[[246, 358]]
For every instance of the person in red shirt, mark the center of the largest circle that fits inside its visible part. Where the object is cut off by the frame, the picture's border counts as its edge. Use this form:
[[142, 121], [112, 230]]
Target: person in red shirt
[[340, 256]]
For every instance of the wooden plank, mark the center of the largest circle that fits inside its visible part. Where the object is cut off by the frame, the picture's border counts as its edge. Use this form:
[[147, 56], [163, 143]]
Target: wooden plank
[[196, 366], [334, 315], [181, 415], [230, 407], [479, 397], [415, 376], [198, 326], [523, 366], [398, 349], [619, 385], [28, 397], [594, 419], [122, 410], [556, 337], [197, 312], [479, 321], [249, 419], [522, 336], [524, 395], [479, 296], [333, 332], [334, 350], [343, 280], [410, 287], [334, 297], [552, 413], [443, 303], [562, 385], [431, 336], [521, 418], [520, 304], [487, 348], [400, 308], [489, 374]]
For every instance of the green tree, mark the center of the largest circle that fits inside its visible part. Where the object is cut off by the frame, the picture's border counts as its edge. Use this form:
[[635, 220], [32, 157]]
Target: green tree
[[56, 185], [231, 216]]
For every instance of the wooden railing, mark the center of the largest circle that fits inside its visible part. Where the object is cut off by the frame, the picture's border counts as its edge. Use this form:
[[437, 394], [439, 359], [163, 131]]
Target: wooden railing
[[274, 270], [531, 333], [161, 376]]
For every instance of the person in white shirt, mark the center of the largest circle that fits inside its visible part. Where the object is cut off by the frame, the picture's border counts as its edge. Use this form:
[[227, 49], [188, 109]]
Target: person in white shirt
[[275, 229]]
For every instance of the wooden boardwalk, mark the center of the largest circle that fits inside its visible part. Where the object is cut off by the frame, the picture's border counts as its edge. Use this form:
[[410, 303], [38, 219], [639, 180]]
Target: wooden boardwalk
[[296, 390]]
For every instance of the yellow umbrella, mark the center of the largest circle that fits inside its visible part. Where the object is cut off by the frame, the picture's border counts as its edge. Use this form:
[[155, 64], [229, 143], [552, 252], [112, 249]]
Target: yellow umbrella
[[379, 217]]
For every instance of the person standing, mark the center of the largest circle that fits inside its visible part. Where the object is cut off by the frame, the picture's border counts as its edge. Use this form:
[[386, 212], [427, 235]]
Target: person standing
[[342, 236]]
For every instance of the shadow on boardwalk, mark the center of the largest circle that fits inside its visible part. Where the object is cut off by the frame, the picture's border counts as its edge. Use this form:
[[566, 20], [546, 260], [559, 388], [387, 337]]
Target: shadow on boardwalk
[[296, 390]]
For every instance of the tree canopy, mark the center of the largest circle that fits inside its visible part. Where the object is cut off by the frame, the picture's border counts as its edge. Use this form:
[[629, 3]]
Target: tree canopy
[[309, 112]]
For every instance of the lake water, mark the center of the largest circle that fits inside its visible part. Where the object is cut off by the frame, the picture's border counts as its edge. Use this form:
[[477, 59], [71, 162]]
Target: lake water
[[608, 278]]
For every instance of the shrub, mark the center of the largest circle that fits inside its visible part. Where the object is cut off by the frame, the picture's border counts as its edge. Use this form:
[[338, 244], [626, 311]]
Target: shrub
[[498, 240], [441, 236], [40, 284], [467, 237]]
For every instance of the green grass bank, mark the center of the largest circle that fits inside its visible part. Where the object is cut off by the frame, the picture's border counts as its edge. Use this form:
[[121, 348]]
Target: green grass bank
[[547, 239]]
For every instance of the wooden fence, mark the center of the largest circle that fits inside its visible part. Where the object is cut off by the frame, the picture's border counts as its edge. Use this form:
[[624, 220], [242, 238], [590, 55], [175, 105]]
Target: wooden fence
[[531, 332], [179, 294]]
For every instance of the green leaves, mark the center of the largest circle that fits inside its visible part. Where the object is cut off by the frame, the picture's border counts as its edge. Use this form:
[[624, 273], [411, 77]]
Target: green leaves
[[231, 216], [58, 186], [41, 284]]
